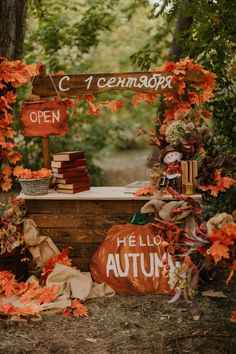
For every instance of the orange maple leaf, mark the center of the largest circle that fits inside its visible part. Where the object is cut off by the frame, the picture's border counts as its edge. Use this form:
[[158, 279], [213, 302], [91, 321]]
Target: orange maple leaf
[[6, 184], [169, 115], [233, 317], [41, 295], [93, 108], [148, 190], [222, 184], [9, 309], [70, 103], [14, 157], [230, 230], [232, 270], [113, 105], [61, 258], [218, 251], [76, 309], [221, 236], [148, 98], [6, 170], [10, 97], [170, 66], [194, 98]]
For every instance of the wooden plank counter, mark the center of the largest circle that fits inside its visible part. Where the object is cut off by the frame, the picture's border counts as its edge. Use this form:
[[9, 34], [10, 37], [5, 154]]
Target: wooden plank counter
[[82, 220]]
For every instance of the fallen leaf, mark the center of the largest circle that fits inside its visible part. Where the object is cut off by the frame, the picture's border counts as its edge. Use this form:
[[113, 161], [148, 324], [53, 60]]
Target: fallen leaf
[[212, 293], [196, 318], [233, 317], [91, 340]]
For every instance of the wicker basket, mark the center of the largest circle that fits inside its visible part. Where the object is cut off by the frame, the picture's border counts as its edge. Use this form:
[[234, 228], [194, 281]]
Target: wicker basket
[[36, 186]]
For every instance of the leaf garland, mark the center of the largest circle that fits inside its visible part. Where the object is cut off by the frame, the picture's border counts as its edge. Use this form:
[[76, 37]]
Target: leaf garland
[[12, 75]]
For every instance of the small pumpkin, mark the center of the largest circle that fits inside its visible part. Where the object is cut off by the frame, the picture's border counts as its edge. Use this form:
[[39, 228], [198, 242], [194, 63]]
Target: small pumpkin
[[133, 259]]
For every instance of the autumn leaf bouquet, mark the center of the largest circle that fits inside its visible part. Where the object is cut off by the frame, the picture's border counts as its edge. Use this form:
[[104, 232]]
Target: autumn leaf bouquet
[[11, 219], [33, 182]]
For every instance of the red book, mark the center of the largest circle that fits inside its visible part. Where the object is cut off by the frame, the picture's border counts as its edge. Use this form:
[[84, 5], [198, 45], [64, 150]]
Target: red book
[[71, 169], [71, 174], [75, 179], [72, 191], [72, 186], [68, 164], [68, 156]]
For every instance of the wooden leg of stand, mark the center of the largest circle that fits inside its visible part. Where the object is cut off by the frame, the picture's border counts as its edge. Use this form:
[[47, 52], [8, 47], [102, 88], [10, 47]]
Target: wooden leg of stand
[[45, 152]]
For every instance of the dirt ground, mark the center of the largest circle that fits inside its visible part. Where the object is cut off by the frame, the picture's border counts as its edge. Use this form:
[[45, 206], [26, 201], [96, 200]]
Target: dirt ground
[[133, 324]]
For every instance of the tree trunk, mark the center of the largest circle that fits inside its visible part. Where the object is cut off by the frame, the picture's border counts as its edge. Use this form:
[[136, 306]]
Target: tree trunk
[[178, 46], [12, 28]]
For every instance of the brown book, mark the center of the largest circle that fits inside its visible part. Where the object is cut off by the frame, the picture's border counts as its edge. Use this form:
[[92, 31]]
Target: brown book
[[70, 174], [68, 156], [68, 164], [71, 169], [74, 179], [72, 191], [81, 184]]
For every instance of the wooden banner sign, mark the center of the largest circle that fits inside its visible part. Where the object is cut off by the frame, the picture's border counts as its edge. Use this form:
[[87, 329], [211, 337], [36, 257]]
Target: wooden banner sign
[[44, 118], [132, 260], [84, 84]]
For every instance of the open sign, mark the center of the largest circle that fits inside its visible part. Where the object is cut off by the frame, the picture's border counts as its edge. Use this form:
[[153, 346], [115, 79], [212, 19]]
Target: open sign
[[44, 118]]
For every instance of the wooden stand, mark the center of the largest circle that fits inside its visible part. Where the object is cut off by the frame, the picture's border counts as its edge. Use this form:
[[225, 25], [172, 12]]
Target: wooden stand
[[82, 220]]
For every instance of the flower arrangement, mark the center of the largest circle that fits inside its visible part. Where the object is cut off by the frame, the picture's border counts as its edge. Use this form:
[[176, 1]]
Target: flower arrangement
[[25, 173], [33, 182]]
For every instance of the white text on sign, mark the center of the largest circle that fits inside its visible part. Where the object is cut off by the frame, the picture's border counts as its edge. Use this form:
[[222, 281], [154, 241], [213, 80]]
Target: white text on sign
[[41, 117], [121, 264], [155, 82]]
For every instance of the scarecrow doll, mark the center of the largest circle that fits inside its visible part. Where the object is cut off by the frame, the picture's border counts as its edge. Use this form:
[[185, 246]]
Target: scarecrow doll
[[171, 174]]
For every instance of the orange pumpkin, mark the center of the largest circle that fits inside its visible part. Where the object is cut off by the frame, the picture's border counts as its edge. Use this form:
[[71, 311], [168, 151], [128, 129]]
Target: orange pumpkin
[[132, 260]]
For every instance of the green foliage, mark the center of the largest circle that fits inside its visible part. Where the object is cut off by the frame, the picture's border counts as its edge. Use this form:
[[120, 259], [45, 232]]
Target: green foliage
[[210, 40], [225, 202], [87, 36], [65, 33]]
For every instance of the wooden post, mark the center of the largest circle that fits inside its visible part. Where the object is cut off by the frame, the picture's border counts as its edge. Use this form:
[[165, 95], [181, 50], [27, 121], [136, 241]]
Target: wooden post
[[45, 152], [45, 139]]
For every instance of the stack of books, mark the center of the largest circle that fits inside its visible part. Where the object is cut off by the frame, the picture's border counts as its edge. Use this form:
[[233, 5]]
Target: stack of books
[[70, 171]]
